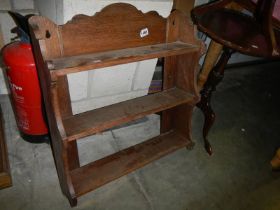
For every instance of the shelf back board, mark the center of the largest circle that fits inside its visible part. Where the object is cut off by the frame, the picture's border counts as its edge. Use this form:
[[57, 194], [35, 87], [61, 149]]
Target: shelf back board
[[106, 30]]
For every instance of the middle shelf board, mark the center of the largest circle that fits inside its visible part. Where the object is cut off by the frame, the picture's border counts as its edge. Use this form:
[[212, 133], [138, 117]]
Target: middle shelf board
[[98, 120], [73, 64]]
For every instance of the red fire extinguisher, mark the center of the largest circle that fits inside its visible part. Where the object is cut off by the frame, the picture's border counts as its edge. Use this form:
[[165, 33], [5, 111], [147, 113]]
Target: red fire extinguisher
[[24, 85]]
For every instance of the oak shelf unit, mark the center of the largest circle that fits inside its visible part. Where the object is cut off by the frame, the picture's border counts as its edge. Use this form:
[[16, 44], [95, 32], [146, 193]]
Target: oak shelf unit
[[111, 37]]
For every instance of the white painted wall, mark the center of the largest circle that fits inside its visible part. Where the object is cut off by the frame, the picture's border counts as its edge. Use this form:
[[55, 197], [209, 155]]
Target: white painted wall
[[22, 4], [5, 5], [110, 85], [89, 7], [53, 9]]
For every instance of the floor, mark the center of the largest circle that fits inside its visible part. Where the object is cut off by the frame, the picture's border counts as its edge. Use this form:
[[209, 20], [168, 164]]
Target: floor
[[237, 176]]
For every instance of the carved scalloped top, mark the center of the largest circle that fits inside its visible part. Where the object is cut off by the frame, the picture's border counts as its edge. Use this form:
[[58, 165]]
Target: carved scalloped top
[[117, 26], [114, 10]]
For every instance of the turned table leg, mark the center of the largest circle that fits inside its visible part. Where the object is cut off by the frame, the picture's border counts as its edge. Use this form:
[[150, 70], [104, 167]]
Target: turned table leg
[[215, 77]]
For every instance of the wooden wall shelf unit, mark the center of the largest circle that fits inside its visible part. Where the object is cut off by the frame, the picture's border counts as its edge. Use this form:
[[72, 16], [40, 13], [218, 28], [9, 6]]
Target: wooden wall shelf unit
[[118, 34], [5, 175]]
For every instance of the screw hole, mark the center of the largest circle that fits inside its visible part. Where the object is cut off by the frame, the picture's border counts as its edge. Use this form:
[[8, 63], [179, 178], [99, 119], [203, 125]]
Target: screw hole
[[48, 34]]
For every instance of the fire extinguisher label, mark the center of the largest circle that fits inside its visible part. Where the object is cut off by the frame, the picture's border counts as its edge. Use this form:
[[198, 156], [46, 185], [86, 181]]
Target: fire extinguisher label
[[16, 90], [15, 87]]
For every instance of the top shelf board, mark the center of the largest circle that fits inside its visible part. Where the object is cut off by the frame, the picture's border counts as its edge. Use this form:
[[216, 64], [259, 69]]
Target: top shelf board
[[73, 64]]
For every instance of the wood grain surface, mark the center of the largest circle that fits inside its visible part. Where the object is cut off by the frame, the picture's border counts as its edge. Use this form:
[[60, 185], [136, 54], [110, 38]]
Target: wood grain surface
[[98, 120], [114, 166], [5, 176]]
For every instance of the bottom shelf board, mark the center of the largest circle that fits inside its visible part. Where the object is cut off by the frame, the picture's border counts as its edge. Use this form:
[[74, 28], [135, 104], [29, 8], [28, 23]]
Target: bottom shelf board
[[100, 172]]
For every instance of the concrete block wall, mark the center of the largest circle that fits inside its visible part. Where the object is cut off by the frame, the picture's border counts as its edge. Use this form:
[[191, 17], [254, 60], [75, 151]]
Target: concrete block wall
[[53, 9], [89, 7], [102, 87], [24, 7], [5, 5], [6, 24], [23, 4]]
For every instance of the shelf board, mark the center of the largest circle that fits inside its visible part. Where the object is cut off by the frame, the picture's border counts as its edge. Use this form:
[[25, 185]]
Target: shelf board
[[98, 120], [72, 64], [100, 172]]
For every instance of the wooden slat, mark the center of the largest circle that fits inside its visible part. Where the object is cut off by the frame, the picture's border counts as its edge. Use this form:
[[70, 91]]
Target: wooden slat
[[5, 177], [67, 65], [91, 122], [100, 172]]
